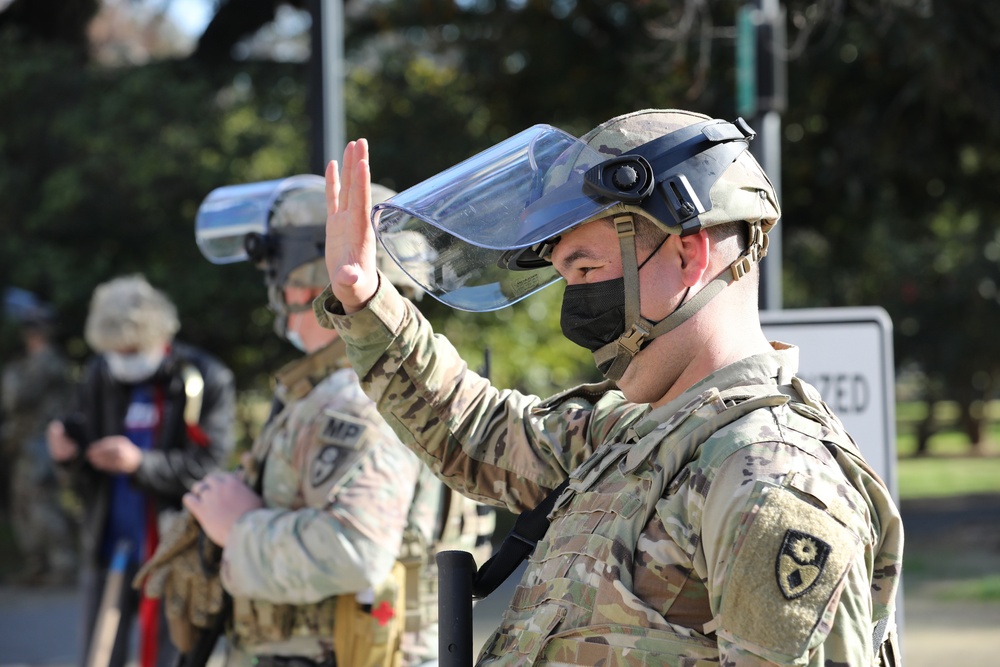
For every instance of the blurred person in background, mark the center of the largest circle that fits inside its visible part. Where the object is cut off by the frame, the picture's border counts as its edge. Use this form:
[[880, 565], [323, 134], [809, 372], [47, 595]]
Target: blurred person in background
[[35, 390], [152, 417], [327, 532]]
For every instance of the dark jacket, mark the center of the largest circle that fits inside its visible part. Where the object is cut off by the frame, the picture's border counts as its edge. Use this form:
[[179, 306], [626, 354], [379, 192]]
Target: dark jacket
[[181, 455]]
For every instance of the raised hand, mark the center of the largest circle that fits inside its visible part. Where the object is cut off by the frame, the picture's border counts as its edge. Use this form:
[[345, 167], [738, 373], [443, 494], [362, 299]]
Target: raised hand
[[350, 239]]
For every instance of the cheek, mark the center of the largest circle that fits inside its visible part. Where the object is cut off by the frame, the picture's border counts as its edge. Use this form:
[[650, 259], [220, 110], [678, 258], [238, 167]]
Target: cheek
[[659, 295]]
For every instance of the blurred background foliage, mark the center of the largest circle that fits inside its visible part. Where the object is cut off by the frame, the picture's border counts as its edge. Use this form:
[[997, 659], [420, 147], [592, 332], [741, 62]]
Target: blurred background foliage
[[115, 122]]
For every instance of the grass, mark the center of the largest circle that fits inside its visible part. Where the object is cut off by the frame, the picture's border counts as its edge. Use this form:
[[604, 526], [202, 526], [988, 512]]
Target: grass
[[951, 467], [938, 477], [977, 589], [949, 571]]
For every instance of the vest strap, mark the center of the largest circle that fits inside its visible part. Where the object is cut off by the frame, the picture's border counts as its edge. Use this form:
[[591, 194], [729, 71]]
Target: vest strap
[[518, 545]]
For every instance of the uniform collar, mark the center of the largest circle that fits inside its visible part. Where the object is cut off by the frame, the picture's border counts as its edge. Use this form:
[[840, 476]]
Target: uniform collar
[[299, 377], [775, 367]]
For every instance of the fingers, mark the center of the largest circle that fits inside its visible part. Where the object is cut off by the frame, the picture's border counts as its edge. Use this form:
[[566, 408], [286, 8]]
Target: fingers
[[332, 188], [192, 502], [61, 448], [361, 182], [350, 241], [345, 187]]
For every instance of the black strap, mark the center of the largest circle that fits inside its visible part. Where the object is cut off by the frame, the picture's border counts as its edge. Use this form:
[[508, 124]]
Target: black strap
[[518, 545]]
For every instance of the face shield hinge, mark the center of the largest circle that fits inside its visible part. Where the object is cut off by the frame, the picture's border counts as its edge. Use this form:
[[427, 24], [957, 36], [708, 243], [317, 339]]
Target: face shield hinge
[[632, 341]]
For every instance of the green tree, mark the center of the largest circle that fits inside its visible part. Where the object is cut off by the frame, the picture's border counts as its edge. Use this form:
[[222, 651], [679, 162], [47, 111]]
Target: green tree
[[103, 171], [889, 154], [890, 163]]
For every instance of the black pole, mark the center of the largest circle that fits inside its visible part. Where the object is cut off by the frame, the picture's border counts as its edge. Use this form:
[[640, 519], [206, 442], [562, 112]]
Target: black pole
[[771, 89], [456, 570], [314, 95]]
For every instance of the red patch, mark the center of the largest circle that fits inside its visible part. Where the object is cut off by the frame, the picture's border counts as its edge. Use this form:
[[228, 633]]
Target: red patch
[[196, 435], [383, 613]]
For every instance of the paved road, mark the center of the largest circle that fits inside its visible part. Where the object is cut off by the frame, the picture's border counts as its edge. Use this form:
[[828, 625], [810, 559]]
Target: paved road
[[38, 627]]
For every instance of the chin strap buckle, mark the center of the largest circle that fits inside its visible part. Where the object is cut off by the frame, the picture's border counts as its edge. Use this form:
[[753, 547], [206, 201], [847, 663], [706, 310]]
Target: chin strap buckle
[[632, 341]]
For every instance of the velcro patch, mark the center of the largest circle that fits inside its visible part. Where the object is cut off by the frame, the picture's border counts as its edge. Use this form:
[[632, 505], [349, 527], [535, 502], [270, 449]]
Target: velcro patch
[[324, 465], [784, 576], [342, 430], [800, 563]]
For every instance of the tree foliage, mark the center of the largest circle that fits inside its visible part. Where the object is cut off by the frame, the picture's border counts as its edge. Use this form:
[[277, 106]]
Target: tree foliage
[[889, 150], [102, 172]]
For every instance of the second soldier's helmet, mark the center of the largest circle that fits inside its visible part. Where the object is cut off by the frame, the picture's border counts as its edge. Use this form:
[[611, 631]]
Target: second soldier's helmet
[[280, 226]]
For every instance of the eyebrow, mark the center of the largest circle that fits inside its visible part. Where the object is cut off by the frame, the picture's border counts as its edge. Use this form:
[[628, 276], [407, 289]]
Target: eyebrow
[[579, 253]]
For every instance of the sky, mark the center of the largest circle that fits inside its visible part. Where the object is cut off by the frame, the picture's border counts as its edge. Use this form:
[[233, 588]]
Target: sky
[[191, 15]]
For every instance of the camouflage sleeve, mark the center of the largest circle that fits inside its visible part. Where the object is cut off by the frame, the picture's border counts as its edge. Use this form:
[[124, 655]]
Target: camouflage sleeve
[[337, 489], [29, 382], [496, 446], [789, 554]]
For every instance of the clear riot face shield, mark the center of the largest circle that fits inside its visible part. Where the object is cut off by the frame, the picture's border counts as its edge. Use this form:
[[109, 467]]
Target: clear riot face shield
[[463, 224], [483, 229], [279, 225]]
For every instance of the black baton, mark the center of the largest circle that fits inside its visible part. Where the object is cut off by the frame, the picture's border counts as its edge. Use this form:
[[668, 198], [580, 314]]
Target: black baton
[[456, 570]]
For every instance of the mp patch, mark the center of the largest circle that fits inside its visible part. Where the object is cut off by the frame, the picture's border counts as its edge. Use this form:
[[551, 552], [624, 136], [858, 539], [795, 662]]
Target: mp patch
[[342, 430], [324, 465], [800, 562]]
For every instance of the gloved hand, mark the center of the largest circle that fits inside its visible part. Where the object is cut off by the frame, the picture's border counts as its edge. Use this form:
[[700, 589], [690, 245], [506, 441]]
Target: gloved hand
[[184, 572]]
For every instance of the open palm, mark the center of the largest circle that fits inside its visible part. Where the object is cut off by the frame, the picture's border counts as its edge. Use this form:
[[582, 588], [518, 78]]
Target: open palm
[[350, 239]]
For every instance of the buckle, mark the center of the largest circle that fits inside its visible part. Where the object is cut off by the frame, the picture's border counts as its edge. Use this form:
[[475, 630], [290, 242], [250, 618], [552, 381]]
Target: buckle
[[633, 339], [741, 267], [624, 225]]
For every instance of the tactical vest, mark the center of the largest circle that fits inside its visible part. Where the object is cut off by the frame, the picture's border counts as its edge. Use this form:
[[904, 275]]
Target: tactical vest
[[360, 635], [582, 610]]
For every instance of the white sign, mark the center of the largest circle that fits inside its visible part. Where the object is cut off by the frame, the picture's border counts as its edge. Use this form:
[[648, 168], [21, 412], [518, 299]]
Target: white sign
[[846, 353]]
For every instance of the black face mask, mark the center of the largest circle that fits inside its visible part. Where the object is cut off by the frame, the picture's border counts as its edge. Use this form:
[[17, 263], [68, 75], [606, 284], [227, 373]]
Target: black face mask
[[593, 314]]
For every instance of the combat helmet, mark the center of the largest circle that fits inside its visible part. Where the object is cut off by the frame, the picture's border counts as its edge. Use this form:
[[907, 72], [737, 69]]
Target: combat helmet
[[280, 226], [492, 221]]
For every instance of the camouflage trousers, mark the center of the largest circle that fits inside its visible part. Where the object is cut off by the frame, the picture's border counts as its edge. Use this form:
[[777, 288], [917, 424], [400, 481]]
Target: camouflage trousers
[[43, 530]]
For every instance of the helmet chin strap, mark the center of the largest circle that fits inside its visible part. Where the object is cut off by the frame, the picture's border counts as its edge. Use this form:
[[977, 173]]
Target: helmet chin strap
[[638, 330]]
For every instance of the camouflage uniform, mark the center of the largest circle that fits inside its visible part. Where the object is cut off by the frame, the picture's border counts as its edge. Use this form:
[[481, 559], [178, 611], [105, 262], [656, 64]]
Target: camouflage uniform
[[735, 525], [35, 391], [342, 497]]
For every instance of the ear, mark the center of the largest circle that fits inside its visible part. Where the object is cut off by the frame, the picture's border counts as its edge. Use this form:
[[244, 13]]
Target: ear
[[694, 254]]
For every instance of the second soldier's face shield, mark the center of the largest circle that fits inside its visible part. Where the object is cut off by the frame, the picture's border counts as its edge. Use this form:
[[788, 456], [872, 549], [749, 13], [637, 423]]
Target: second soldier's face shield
[[278, 225], [468, 226]]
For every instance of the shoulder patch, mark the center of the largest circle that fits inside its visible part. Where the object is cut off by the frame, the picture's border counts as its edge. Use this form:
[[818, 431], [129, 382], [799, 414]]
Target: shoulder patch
[[785, 575], [342, 430], [800, 563], [324, 465]]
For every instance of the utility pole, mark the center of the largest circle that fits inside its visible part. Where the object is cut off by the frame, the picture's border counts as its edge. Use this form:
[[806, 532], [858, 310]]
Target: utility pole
[[761, 96], [326, 83]]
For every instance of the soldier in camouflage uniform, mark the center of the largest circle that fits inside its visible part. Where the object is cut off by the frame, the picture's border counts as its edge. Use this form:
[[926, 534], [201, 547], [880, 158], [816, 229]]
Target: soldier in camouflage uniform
[[716, 510], [317, 558], [35, 390]]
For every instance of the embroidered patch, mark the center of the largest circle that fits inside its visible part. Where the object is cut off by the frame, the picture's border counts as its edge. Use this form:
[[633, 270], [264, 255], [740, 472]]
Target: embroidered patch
[[342, 430], [800, 562], [323, 465]]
